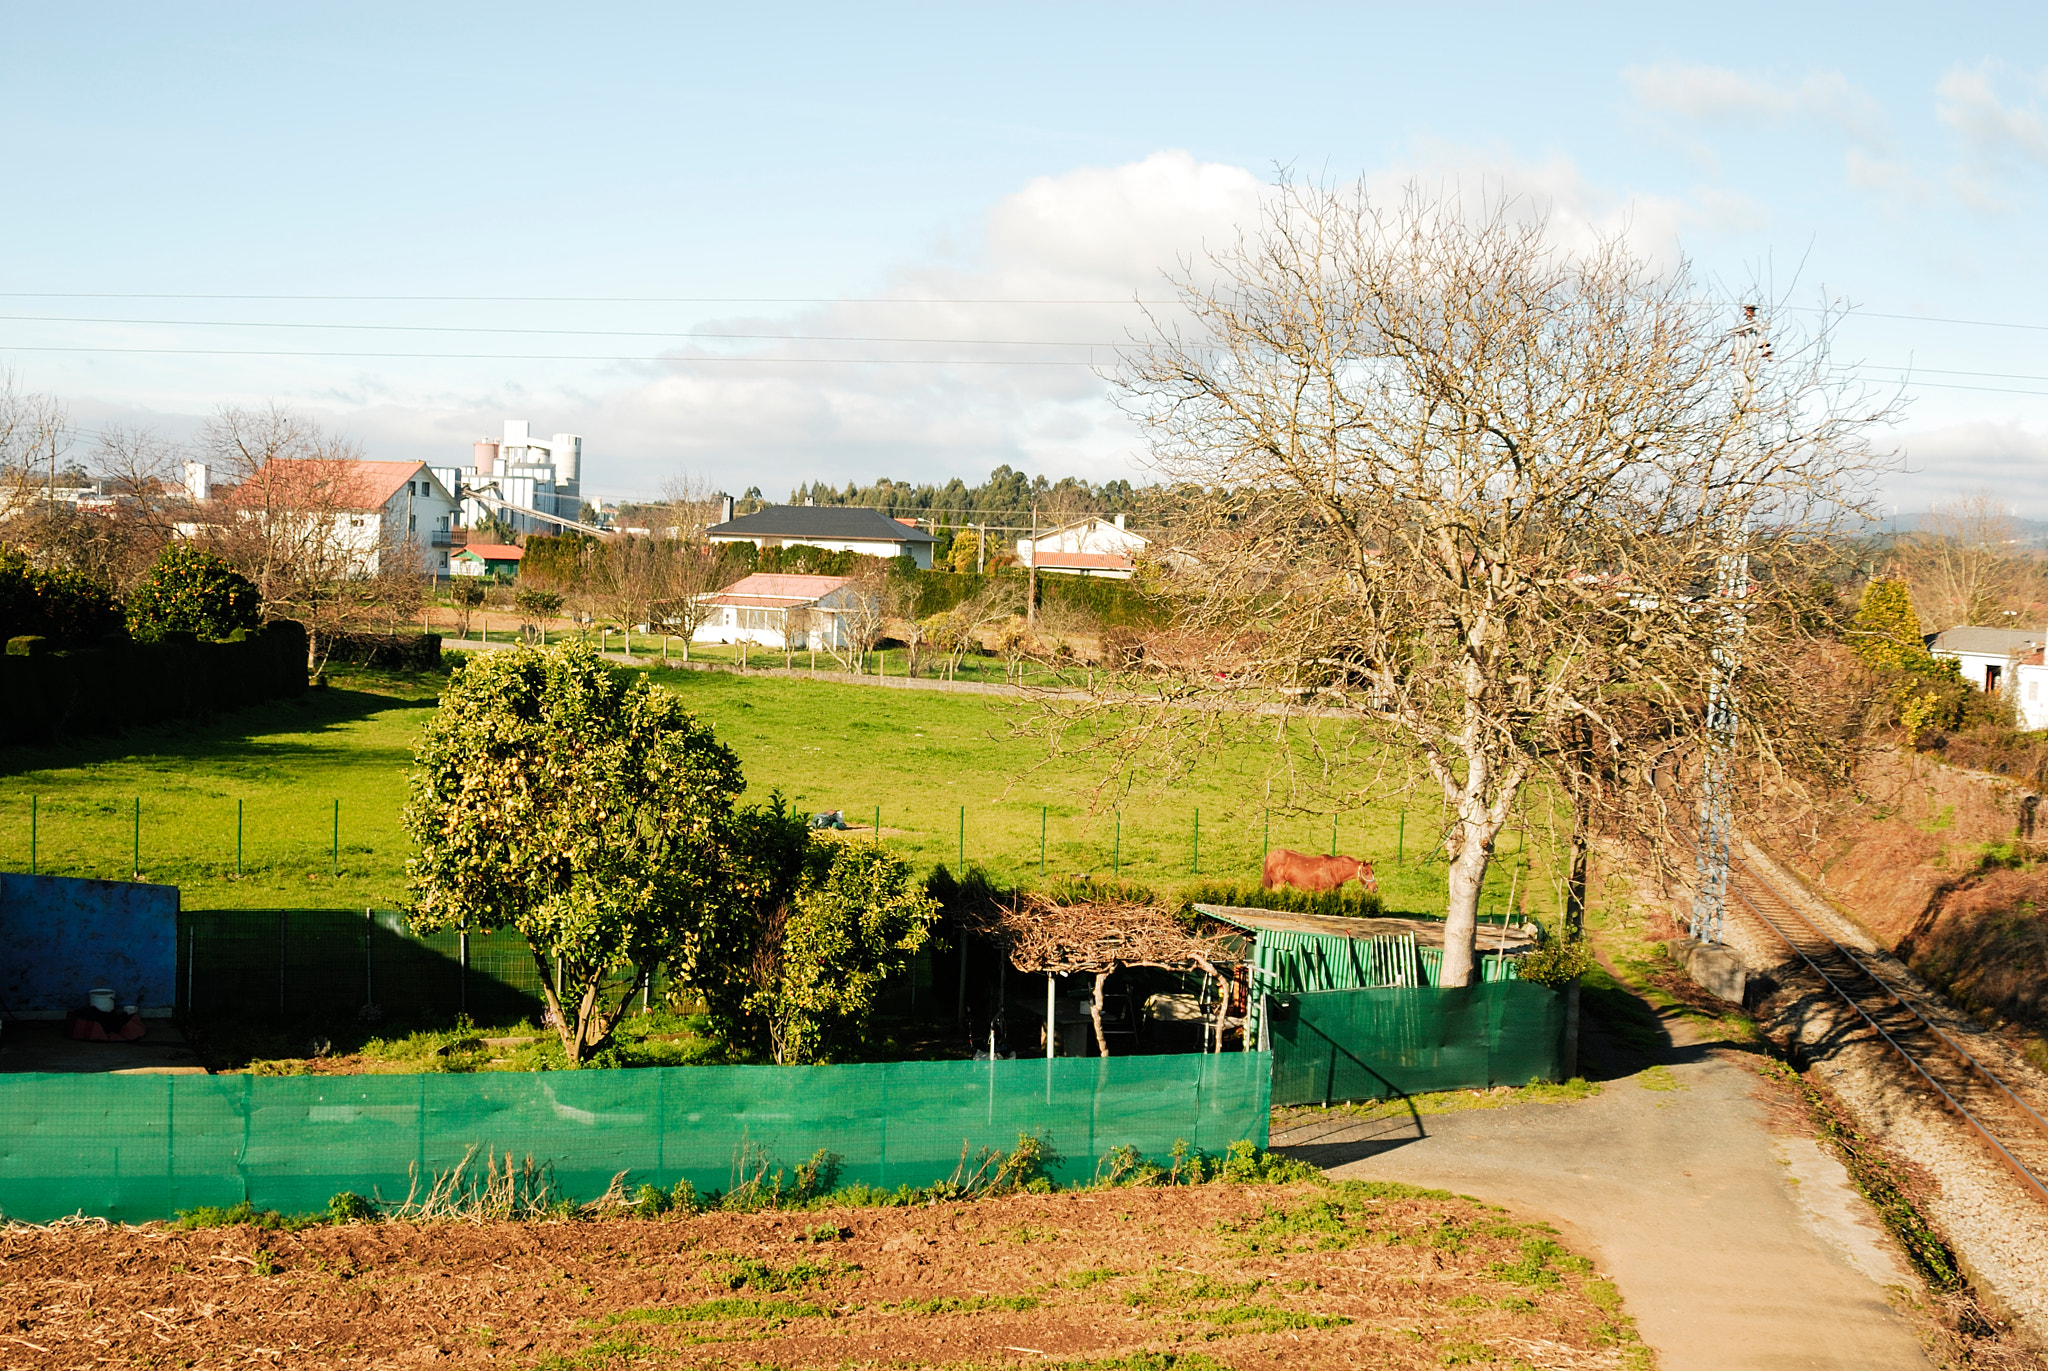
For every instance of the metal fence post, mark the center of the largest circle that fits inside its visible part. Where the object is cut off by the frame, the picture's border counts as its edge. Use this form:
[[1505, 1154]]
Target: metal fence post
[[1195, 854], [335, 870], [878, 825], [1401, 839], [33, 803], [1333, 835], [238, 837], [138, 837], [963, 842], [1116, 861], [1041, 841]]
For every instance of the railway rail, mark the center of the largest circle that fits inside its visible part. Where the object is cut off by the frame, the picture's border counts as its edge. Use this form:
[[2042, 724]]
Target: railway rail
[[2012, 1129]]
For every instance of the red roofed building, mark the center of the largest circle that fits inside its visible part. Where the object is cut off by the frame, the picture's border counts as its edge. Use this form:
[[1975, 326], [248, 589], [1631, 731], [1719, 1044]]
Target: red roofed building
[[1088, 547], [375, 508], [774, 610], [486, 559]]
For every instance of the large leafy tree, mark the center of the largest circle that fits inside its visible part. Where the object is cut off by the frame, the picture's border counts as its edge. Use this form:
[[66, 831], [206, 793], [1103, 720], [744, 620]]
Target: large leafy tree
[[793, 965], [190, 590], [583, 806]]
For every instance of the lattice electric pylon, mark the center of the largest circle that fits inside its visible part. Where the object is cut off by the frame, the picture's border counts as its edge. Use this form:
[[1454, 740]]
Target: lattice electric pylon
[[1750, 348]]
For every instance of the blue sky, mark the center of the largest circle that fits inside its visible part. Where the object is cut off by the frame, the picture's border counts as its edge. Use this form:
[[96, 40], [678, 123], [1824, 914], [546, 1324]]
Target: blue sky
[[831, 172]]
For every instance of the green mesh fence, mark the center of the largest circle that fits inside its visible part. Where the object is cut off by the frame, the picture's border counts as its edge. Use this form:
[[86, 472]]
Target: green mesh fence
[[1332, 1045], [314, 964], [144, 1147]]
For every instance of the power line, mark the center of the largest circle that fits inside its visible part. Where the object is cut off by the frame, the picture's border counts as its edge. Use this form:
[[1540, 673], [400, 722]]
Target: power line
[[558, 357], [679, 334], [592, 299]]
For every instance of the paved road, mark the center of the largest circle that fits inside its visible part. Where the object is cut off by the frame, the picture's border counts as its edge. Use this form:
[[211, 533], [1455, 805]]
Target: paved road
[[1733, 1248]]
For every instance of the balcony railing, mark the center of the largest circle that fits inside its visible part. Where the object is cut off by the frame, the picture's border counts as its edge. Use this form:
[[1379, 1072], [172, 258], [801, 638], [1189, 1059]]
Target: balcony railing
[[439, 537]]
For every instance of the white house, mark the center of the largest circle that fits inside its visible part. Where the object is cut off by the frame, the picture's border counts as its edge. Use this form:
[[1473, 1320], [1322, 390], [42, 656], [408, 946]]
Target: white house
[[773, 610], [1986, 656], [372, 507], [1088, 547], [835, 528], [1995, 659]]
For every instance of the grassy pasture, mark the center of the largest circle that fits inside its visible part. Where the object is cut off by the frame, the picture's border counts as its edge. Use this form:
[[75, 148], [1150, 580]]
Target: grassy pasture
[[921, 757]]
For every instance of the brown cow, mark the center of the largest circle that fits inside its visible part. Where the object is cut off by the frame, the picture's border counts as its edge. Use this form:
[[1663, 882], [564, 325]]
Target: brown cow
[[1317, 874]]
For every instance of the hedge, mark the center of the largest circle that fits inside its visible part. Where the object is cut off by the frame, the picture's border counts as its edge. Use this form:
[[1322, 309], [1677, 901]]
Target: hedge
[[393, 651], [50, 691], [1112, 602]]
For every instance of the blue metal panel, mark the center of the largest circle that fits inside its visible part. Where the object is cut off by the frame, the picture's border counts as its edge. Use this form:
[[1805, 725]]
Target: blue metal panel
[[60, 937]]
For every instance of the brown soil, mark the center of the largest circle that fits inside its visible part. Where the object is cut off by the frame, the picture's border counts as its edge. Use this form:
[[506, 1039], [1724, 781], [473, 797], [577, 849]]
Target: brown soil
[[1927, 857], [1390, 1281]]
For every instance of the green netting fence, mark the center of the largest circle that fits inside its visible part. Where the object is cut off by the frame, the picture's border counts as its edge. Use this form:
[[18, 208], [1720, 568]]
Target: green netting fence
[[1332, 1045], [145, 1147], [316, 964]]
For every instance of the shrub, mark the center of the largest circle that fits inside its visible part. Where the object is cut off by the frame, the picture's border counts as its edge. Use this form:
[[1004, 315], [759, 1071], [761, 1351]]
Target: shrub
[[190, 590], [1558, 962], [54, 604]]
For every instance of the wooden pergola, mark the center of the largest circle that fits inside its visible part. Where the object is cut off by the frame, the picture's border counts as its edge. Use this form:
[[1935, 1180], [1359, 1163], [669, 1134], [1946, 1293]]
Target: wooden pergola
[[1097, 938]]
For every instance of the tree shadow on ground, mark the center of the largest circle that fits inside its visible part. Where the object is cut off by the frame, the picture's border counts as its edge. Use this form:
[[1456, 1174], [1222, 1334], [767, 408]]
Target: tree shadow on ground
[[240, 734]]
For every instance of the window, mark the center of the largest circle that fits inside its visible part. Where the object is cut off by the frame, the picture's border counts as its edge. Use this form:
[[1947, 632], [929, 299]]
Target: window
[[412, 523]]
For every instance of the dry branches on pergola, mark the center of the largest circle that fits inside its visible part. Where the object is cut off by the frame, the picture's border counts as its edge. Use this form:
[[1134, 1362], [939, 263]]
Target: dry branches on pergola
[[1095, 939]]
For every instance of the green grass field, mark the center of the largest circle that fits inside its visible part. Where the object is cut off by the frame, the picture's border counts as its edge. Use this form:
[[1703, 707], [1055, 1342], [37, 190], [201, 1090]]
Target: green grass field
[[922, 758]]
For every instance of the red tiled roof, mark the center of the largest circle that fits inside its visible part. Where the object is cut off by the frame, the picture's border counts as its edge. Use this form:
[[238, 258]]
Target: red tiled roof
[[1116, 561], [327, 485], [773, 588], [494, 552]]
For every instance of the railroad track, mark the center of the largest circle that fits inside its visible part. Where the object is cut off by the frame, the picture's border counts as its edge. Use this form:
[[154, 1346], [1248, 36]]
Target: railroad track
[[2011, 1128]]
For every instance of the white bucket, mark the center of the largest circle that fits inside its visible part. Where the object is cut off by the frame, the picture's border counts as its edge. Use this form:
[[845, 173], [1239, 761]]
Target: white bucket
[[102, 999]]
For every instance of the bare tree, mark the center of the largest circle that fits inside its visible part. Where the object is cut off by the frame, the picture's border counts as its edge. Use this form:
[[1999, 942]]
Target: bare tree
[[689, 506], [1961, 561], [1484, 492], [291, 514], [864, 613], [694, 573], [959, 630]]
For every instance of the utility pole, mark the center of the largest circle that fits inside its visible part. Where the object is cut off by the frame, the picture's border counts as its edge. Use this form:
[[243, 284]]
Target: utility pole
[[1031, 596], [1717, 816]]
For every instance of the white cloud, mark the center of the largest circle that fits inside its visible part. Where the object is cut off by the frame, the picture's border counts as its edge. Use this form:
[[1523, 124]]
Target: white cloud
[[1718, 95], [1967, 102], [1047, 272], [1944, 463]]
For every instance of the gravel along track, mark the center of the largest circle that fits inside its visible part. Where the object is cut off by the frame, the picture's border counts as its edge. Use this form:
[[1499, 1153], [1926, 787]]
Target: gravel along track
[[1917, 1074]]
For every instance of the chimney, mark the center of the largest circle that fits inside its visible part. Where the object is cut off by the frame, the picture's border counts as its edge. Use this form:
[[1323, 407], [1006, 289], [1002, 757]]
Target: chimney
[[1119, 521], [725, 509]]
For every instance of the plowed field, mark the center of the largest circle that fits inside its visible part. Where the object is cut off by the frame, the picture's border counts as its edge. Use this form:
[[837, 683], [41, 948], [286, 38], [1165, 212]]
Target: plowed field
[[1190, 1279]]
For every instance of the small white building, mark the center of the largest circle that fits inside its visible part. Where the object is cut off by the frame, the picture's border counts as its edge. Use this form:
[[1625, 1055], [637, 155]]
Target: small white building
[[1987, 656], [1088, 547], [835, 528], [773, 610]]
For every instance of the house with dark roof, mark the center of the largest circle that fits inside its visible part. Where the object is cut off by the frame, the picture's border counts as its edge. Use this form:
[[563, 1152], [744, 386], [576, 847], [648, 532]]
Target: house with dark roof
[[836, 528]]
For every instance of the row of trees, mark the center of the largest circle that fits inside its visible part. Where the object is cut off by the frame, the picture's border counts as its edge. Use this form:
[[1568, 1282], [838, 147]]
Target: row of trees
[[282, 510]]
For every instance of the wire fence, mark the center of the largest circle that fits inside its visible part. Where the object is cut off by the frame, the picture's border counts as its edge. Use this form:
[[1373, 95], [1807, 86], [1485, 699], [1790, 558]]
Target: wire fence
[[326, 964]]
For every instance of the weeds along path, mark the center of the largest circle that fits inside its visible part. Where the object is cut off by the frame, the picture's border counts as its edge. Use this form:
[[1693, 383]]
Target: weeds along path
[[1735, 1240]]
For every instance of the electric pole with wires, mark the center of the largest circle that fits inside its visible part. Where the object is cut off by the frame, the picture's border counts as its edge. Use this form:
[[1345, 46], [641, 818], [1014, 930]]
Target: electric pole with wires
[[1749, 351]]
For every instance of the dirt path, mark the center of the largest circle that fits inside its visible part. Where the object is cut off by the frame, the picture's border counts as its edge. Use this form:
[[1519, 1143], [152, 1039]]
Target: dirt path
[[1734, 1245]]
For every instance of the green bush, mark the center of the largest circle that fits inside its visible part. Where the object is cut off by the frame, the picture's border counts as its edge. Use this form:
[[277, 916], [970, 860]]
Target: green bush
[[54, 604], [190, 590], [1557, 962]]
